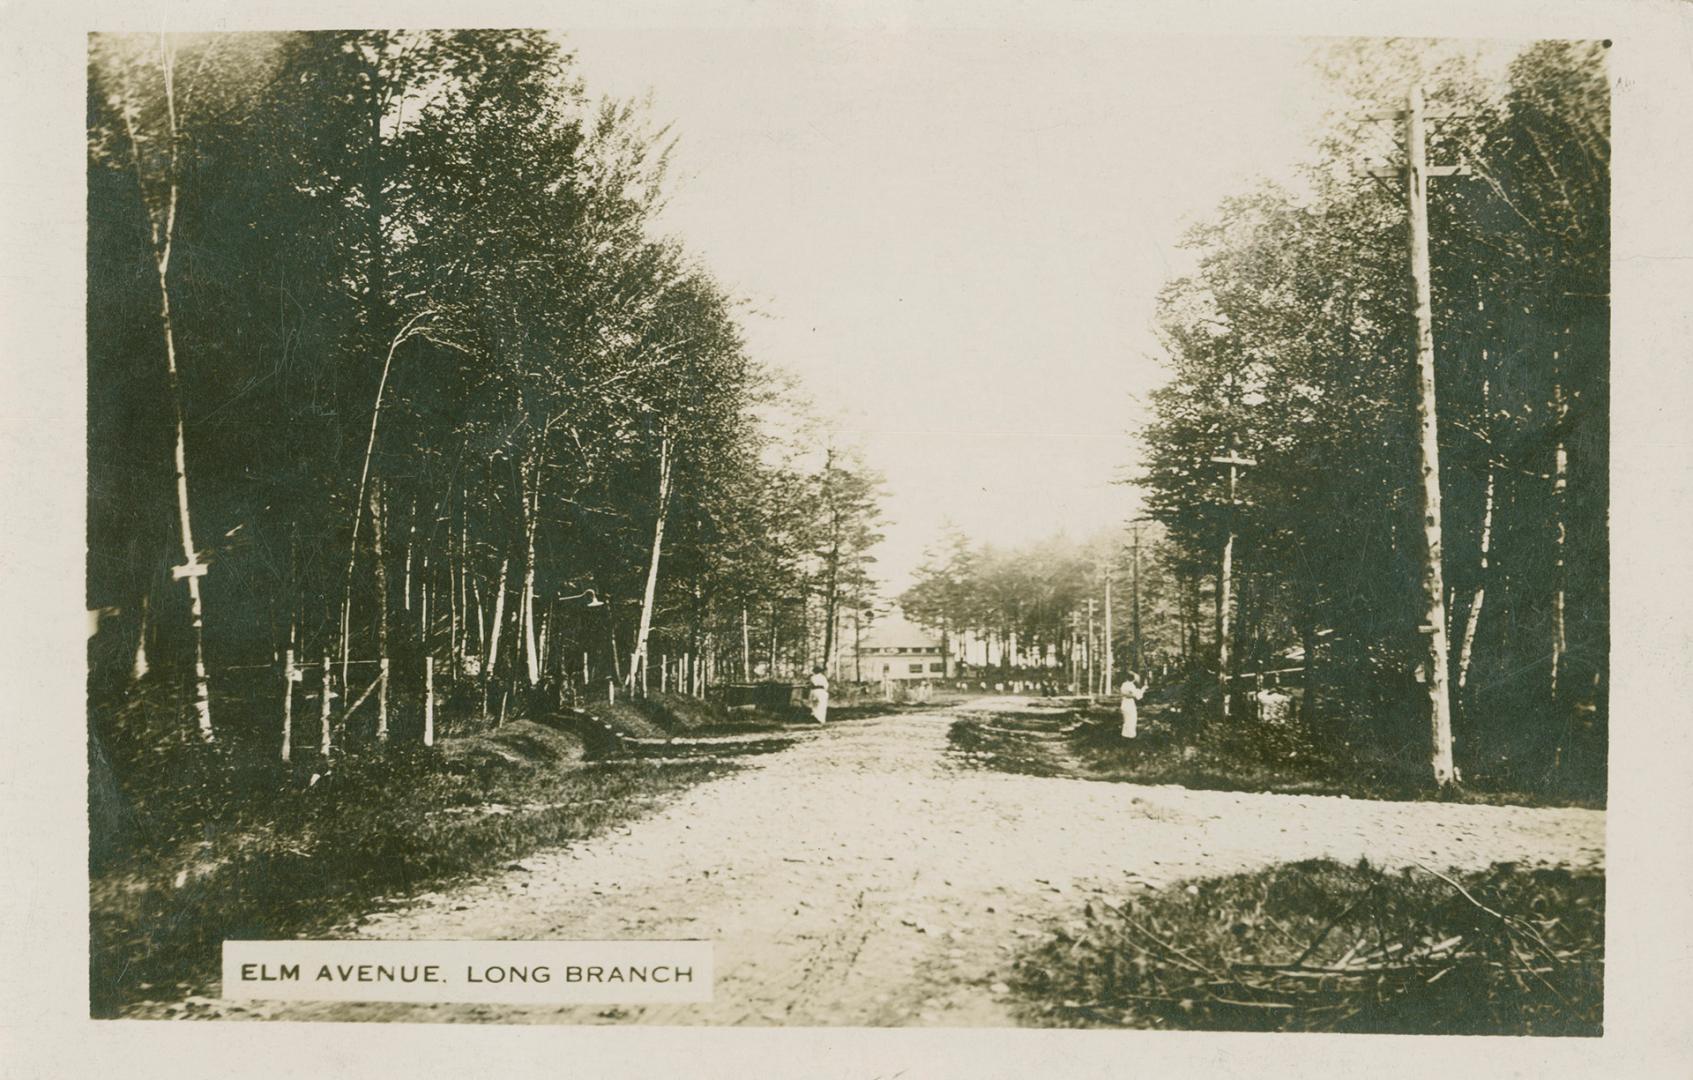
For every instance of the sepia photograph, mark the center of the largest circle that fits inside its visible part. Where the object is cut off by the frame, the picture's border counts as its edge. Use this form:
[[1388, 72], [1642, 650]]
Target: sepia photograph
[[934, 529], [856, 538]]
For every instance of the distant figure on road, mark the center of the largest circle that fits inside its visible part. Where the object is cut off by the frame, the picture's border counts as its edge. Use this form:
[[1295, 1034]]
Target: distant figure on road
[[1133, 690], [819, 695]]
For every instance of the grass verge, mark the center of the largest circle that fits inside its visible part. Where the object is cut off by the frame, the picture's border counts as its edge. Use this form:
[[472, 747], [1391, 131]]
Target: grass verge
[[1241, 756], [206, 844], [1317, 946]]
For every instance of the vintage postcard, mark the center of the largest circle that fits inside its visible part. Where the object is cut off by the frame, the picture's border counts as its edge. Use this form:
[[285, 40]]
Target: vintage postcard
[[862, 523]]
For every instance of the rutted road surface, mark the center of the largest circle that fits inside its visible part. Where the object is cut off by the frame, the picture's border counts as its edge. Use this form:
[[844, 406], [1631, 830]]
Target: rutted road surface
[[866, 877]]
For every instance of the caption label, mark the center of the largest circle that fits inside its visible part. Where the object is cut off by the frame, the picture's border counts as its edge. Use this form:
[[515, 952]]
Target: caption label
[[508, 972]]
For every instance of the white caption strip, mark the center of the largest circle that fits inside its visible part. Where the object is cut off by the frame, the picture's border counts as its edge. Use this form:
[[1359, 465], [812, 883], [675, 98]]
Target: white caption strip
[[508, 972]]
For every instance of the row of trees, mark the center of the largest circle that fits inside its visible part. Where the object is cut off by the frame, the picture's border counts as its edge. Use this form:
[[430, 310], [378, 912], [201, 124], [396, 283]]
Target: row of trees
[[1105, 603], [1281, 469], [1292, 347], [389, 372]]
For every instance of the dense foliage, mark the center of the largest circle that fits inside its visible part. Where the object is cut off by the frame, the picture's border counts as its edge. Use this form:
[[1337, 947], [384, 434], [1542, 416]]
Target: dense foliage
[[443, 392], [1291, 345]]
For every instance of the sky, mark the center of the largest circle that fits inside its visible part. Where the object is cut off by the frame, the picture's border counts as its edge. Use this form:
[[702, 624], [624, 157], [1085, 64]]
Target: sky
[[954, 240]]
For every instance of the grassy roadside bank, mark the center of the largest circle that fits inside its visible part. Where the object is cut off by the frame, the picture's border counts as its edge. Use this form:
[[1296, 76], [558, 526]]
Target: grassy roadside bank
[[1086, 743], [1317, 946], [192, 845]]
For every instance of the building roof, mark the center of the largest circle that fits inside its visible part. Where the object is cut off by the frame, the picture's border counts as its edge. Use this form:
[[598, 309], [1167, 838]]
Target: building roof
[[895, 631]]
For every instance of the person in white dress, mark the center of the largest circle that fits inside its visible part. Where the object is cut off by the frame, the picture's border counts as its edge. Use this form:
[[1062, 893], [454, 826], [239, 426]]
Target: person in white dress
[[1133, 690], [819, 695]]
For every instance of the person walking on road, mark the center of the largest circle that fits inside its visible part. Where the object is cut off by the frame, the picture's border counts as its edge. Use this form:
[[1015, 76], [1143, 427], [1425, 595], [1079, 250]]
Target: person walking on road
[[819, 695], [1133, 690]]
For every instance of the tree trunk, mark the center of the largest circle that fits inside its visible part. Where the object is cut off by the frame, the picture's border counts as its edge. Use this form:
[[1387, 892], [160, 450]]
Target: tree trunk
[[829, 601], [1560, 488], [364, 478], [462, 643], [325, 739], [1473, 619], [1224, 571], [481, 623], [1310, 701], [1434, 615], [411, 546], [494, 631], [638, 657], [531, 653], [163, 234], [455, 600], [746, 648], [139, 668], [288, 672], [428, 700], [424, 639], [381, 564]]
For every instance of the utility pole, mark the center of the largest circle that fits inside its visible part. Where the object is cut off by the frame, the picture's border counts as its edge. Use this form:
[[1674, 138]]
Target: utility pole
[[1415, 176], [1225, 570]]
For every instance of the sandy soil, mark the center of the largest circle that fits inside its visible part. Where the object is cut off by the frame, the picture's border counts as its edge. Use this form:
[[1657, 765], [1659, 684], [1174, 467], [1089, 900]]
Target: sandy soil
[[867, 877]]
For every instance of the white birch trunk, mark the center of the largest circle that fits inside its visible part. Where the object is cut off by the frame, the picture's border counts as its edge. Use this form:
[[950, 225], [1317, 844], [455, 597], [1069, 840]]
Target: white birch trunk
[[428, 700], [499, 618], [1434, 618], [381, 565], [1560, 486], [325, 739], [138, 670], [428, 660], [163, 235], [288, 704], [1466, 648], [638, 656]]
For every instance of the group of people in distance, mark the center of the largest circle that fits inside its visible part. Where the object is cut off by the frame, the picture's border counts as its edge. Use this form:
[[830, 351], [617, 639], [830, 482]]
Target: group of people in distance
[[1133, 689]]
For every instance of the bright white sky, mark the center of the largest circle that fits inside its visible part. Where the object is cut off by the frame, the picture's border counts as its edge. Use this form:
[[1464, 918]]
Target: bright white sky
[[956, 238]]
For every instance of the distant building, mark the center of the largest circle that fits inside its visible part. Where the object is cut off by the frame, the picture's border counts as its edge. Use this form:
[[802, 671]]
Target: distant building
[[895, 649]]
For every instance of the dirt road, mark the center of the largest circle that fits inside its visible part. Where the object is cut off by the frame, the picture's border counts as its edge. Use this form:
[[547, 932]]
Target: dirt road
[[867, 877]]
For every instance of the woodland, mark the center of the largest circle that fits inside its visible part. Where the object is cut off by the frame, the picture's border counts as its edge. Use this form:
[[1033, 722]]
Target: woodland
[[399, 399], [1290, 349]]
